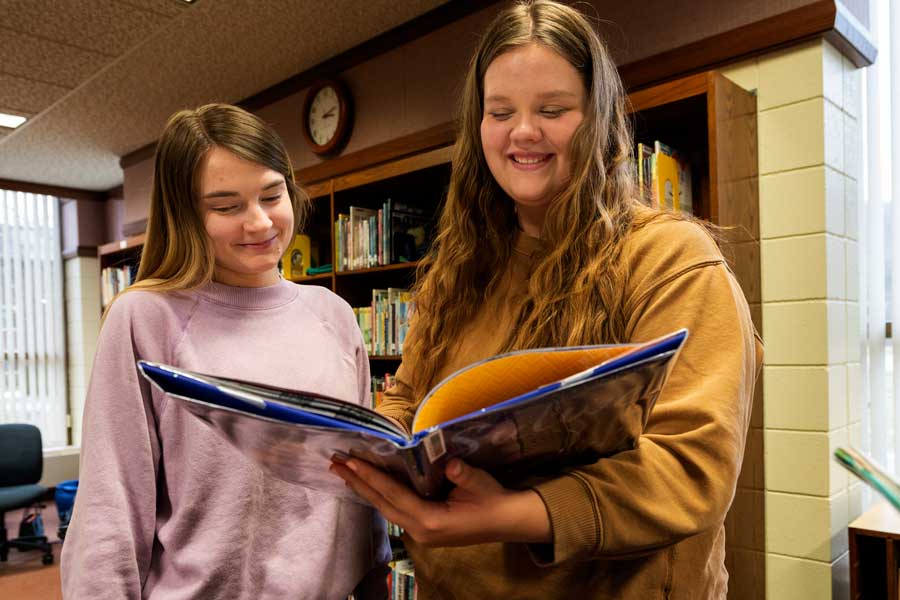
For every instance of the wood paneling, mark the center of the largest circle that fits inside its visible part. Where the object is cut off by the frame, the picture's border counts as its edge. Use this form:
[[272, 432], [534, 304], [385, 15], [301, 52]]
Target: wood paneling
[[431, 138], [817, 18], [51, 190]]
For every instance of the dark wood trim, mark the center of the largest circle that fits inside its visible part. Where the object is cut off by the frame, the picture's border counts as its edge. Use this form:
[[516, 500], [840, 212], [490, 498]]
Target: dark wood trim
[[116, 192], [389, 40], [852, 39], [51, 190], [433, 137], [134, 228], [139, 155], [402, 34], [823, 17], [81, 251], [127, 244], [665, 93]]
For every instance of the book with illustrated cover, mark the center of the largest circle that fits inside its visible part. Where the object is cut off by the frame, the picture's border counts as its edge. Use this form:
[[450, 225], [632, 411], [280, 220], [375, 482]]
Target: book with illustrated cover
[[665, 179], [511, 414]]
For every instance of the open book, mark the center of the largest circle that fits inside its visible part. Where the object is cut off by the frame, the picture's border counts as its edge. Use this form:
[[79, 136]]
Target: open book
[[511, 414]]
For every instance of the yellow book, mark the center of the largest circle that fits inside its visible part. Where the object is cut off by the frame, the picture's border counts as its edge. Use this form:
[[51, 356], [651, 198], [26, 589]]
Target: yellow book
[[298, 258], [667, 181]]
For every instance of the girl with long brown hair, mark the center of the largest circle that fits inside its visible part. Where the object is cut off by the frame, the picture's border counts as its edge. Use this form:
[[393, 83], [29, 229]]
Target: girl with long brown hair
[[166, 508], [542, 243]]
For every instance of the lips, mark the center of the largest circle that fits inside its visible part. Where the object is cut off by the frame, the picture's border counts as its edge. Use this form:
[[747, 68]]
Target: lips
[[530, 159], [260, 245]]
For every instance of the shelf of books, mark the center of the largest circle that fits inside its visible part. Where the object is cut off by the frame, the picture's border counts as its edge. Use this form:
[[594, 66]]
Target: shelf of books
[[364, 236], [373, 213], [696, 152], [118, 266]]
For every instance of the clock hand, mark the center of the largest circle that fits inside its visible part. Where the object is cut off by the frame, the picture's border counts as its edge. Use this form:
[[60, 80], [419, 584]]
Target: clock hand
[[330, 113]]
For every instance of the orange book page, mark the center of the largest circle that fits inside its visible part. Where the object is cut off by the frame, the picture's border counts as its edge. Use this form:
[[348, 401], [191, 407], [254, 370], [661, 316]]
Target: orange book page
[[494, 381]]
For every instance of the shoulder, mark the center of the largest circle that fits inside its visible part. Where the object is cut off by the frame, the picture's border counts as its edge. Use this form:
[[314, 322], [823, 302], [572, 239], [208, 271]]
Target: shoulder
[[329, 308], [150, 310], [663, 248], [663, 236]]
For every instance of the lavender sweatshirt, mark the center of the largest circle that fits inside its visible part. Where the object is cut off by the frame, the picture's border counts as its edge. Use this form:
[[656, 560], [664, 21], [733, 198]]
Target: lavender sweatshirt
[[167, 509]]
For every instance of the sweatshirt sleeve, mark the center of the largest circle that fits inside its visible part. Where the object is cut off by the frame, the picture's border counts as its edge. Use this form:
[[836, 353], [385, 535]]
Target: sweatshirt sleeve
[[110, 539], [399, 401], [681, 478]]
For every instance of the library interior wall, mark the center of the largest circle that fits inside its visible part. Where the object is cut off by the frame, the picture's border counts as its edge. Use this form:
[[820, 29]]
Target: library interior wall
[[808, 110], [809, 103]]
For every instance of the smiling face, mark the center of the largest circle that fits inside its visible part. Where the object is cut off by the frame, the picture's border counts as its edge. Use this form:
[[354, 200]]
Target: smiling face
[[248, 216], [534, 100]]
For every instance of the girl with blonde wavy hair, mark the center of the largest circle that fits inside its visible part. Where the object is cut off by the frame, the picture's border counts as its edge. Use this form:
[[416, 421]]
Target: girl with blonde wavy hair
[[165, 507], [542, 243]]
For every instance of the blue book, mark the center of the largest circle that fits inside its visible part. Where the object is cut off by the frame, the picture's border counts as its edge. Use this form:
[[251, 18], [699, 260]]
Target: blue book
[[515, 413]]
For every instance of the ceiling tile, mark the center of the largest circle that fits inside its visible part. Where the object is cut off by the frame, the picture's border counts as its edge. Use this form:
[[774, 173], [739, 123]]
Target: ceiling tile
[[169, 8], [25, 96], [216, 50], [102, 26], [49, 62]]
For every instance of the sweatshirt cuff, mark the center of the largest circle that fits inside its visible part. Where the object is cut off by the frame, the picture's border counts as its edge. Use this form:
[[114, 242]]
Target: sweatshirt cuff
[[574, 520], [402, 415]]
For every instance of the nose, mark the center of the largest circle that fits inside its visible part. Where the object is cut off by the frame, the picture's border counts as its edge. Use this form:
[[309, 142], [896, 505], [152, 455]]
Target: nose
[[257, 218], [526, 130]]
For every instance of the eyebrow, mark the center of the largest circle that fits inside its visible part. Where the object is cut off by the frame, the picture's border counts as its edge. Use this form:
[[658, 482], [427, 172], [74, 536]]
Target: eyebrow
[[544, 96], [228, 194]]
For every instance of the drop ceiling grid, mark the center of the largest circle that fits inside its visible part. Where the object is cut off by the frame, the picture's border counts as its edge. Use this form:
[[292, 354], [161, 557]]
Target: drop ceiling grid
[[222, 50]]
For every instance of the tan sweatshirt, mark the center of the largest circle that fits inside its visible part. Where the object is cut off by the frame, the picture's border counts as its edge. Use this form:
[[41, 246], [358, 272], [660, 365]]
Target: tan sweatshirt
[[646, 523]]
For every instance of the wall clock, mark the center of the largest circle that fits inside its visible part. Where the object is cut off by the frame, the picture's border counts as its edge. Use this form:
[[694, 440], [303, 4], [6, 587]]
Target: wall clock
[[327, 116]]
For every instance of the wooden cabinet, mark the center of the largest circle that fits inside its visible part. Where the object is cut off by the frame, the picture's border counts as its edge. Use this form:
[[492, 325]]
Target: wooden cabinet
[[875, 554]]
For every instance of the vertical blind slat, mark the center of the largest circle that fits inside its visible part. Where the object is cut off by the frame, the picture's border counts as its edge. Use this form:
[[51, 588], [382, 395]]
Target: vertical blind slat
[[32, 377], [894, 25]]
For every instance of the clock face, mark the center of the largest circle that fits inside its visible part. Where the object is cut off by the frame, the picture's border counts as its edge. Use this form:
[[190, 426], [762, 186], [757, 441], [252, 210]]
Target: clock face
[[324, 115]]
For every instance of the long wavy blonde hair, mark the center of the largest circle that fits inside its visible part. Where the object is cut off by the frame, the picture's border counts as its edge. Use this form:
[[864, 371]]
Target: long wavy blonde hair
[[575, 292], [177, 253]]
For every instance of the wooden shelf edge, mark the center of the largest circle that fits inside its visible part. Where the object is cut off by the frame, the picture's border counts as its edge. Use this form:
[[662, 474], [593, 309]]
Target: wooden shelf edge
[[428, 139], [789, 27], [381, 269], [666, 93], [309, 278], [121, 245]]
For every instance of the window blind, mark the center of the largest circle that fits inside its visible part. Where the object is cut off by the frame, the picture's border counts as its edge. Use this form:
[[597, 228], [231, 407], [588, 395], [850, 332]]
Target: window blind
[[32, 343]]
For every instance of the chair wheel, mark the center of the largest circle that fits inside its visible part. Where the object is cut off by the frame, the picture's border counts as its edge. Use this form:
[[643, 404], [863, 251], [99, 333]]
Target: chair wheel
[[47, 559]]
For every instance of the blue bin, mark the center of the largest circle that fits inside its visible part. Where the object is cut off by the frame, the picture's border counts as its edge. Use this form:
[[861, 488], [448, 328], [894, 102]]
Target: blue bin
[[65, 499]]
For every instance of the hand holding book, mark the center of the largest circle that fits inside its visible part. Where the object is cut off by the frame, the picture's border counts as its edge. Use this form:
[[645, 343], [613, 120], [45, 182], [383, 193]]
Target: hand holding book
[[478, 510], [509, 414]]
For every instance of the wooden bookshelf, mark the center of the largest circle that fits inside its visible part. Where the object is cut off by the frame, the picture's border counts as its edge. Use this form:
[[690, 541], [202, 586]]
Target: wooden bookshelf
[[704, 116], [109, 253], [874, 540]]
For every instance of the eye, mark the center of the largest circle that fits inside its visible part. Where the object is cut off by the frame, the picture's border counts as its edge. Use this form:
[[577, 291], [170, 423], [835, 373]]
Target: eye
[[553, 113], [222, 209], [500, 115], [272, 198]]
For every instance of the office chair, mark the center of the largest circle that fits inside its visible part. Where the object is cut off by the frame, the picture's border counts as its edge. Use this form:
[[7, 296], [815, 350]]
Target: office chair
[[21, 465]]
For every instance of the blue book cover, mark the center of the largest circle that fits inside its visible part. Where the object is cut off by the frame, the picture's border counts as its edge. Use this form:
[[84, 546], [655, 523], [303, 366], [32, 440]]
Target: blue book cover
[[511, 414]]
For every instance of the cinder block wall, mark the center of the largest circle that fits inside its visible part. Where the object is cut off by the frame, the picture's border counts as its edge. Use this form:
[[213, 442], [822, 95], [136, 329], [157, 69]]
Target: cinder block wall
[[82, 292], [809, 103]]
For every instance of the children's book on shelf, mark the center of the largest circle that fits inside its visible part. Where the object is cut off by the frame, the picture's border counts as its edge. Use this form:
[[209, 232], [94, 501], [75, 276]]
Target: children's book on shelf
[[664, 177], [300, 257], [511, 414], [114, 280], [409, 232]]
